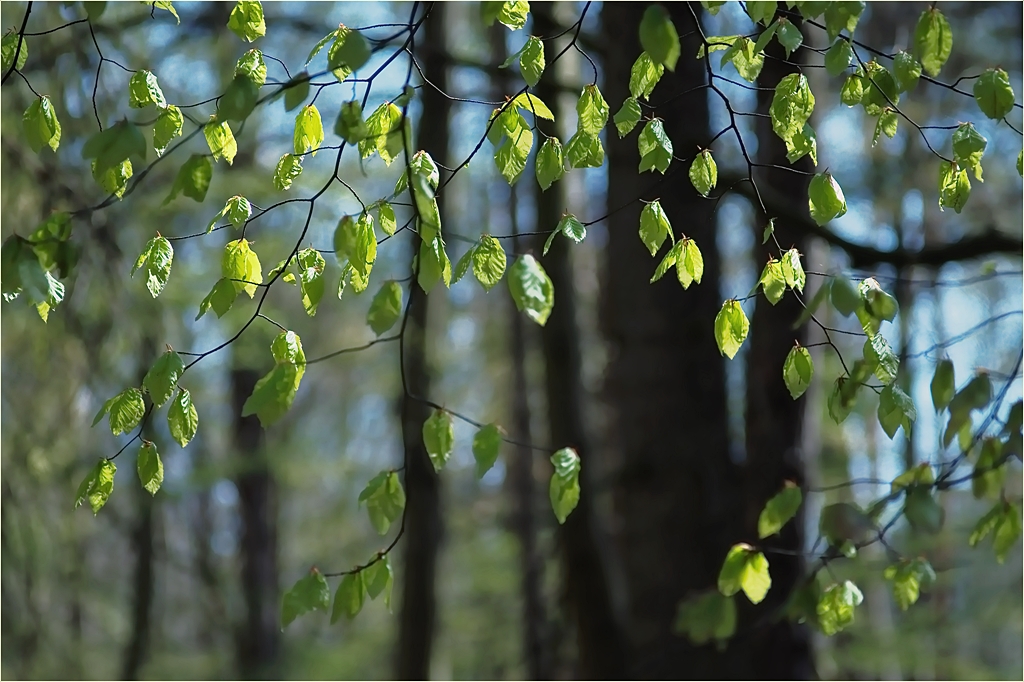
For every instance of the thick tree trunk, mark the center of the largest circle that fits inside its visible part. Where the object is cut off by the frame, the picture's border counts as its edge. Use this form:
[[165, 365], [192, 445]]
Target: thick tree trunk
[[423, 528], [774, 421], [259, 637], [600, 641]]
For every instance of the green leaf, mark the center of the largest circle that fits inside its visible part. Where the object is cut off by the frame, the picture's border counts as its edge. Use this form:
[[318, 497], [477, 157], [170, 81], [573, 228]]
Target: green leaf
[[239, 262], [792, 105], [439, 438], [275, 392], [592, 110], [880, 356], [841, 16], [880, 89], [654, 227], [296, 93], [780, 508], [731, 327], [969, 148], [1020, 163], [825, 199], [773, 281], [42, 129], [144, 90], [584, 151], [125, 411], [115, 144], [165, 5], [488, 262], [836, 607], [853, 90], [643, 76], [838, 57], [762, 12], [895, 409], [157, 257], [193, 179], [486, 446], [510, 157], [989, 473], [797, 371], [531, 61], [221, 141], [251, 66], [310, 593], [907, 71], [793, 270], [114, 180], [550, 165], [151, 469], [10, 45], [385, 500], [386, 307], [220, 298], [744, 56], [568, 226], [658, 37], [514, 13], [655, 147], [246, 20], [943, 385], [887, 123], [689, 268], [162, 377], [288, 168], [745, 569], [310, 265], [349, 598], [182, 418], [627, 117], [954, 186], [704, 172], [707, 616], [97, 486], [348, 53], [922, 511], [309, 131], [434, 264], [789, 36], [531, 289], [386, 218], [877, 304], [907, 578], [167, 127], [564, 489], [379, 579], [384, 124], [239, 99], [933, 40], [350, 125]]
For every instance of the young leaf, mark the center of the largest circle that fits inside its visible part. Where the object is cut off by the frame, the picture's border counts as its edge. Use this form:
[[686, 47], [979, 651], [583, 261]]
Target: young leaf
[[797, 371], [943, 385], [513, 13], [464, 264], [275, 392], [114, 180], [742, 53], [969, 148], [488, 262], [241, 264], [14, 42], [627, 117], [157, 258], [836, 607], [288, 168], [707, 616], [789, 36], [731, 327], [348, 53], [907, 578], [439, 438], [793, 270], [654, 227], [162, 377], [792, 105], [165, 5], [933, 40], [881, 90], [385, 500], [531, 61], [434, 264], [766, 36], [954, 186], [221, 141], [42, 129], [895, 409], [220, 298], [568, 226], [704, 173], [97, 486], [659, 38], [246, 20], [144, 90], [193, 179], [297, 92], [350, 125], [564, 489], [550, 165], [887, 123], [486, 445], [907, 71], [239, 99], [308, 594], [1003, 522], [841, 16], [251, 66], [386, 218], [773, 281], [993, 93], [690, 267], [779, 510], [182, 418], [167, 127], [761, 11], [853, 90], [125, 411], [150, 468], [531, 289], [592, 110], [310, 265], [922, 511], [349, 598], [111, 146], [825, 199], [643, 76], [379, 579], [747, 570], [309, 131], [386, 307], [584, 151]]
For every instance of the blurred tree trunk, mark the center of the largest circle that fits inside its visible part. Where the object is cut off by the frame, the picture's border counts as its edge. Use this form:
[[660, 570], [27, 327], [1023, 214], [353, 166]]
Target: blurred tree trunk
[[601, 644], [259, 637], [142, 545], [774, 421], [423, 529]]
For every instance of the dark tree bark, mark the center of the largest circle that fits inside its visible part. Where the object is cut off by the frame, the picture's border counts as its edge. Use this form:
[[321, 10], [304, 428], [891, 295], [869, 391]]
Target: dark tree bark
[[259, 639], [774, 421], [600, 641], [423, 527]]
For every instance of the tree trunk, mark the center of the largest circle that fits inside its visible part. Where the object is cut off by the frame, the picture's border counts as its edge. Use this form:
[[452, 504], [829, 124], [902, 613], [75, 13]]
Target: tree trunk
[[774, 420], [259, 637], [423, 529]]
